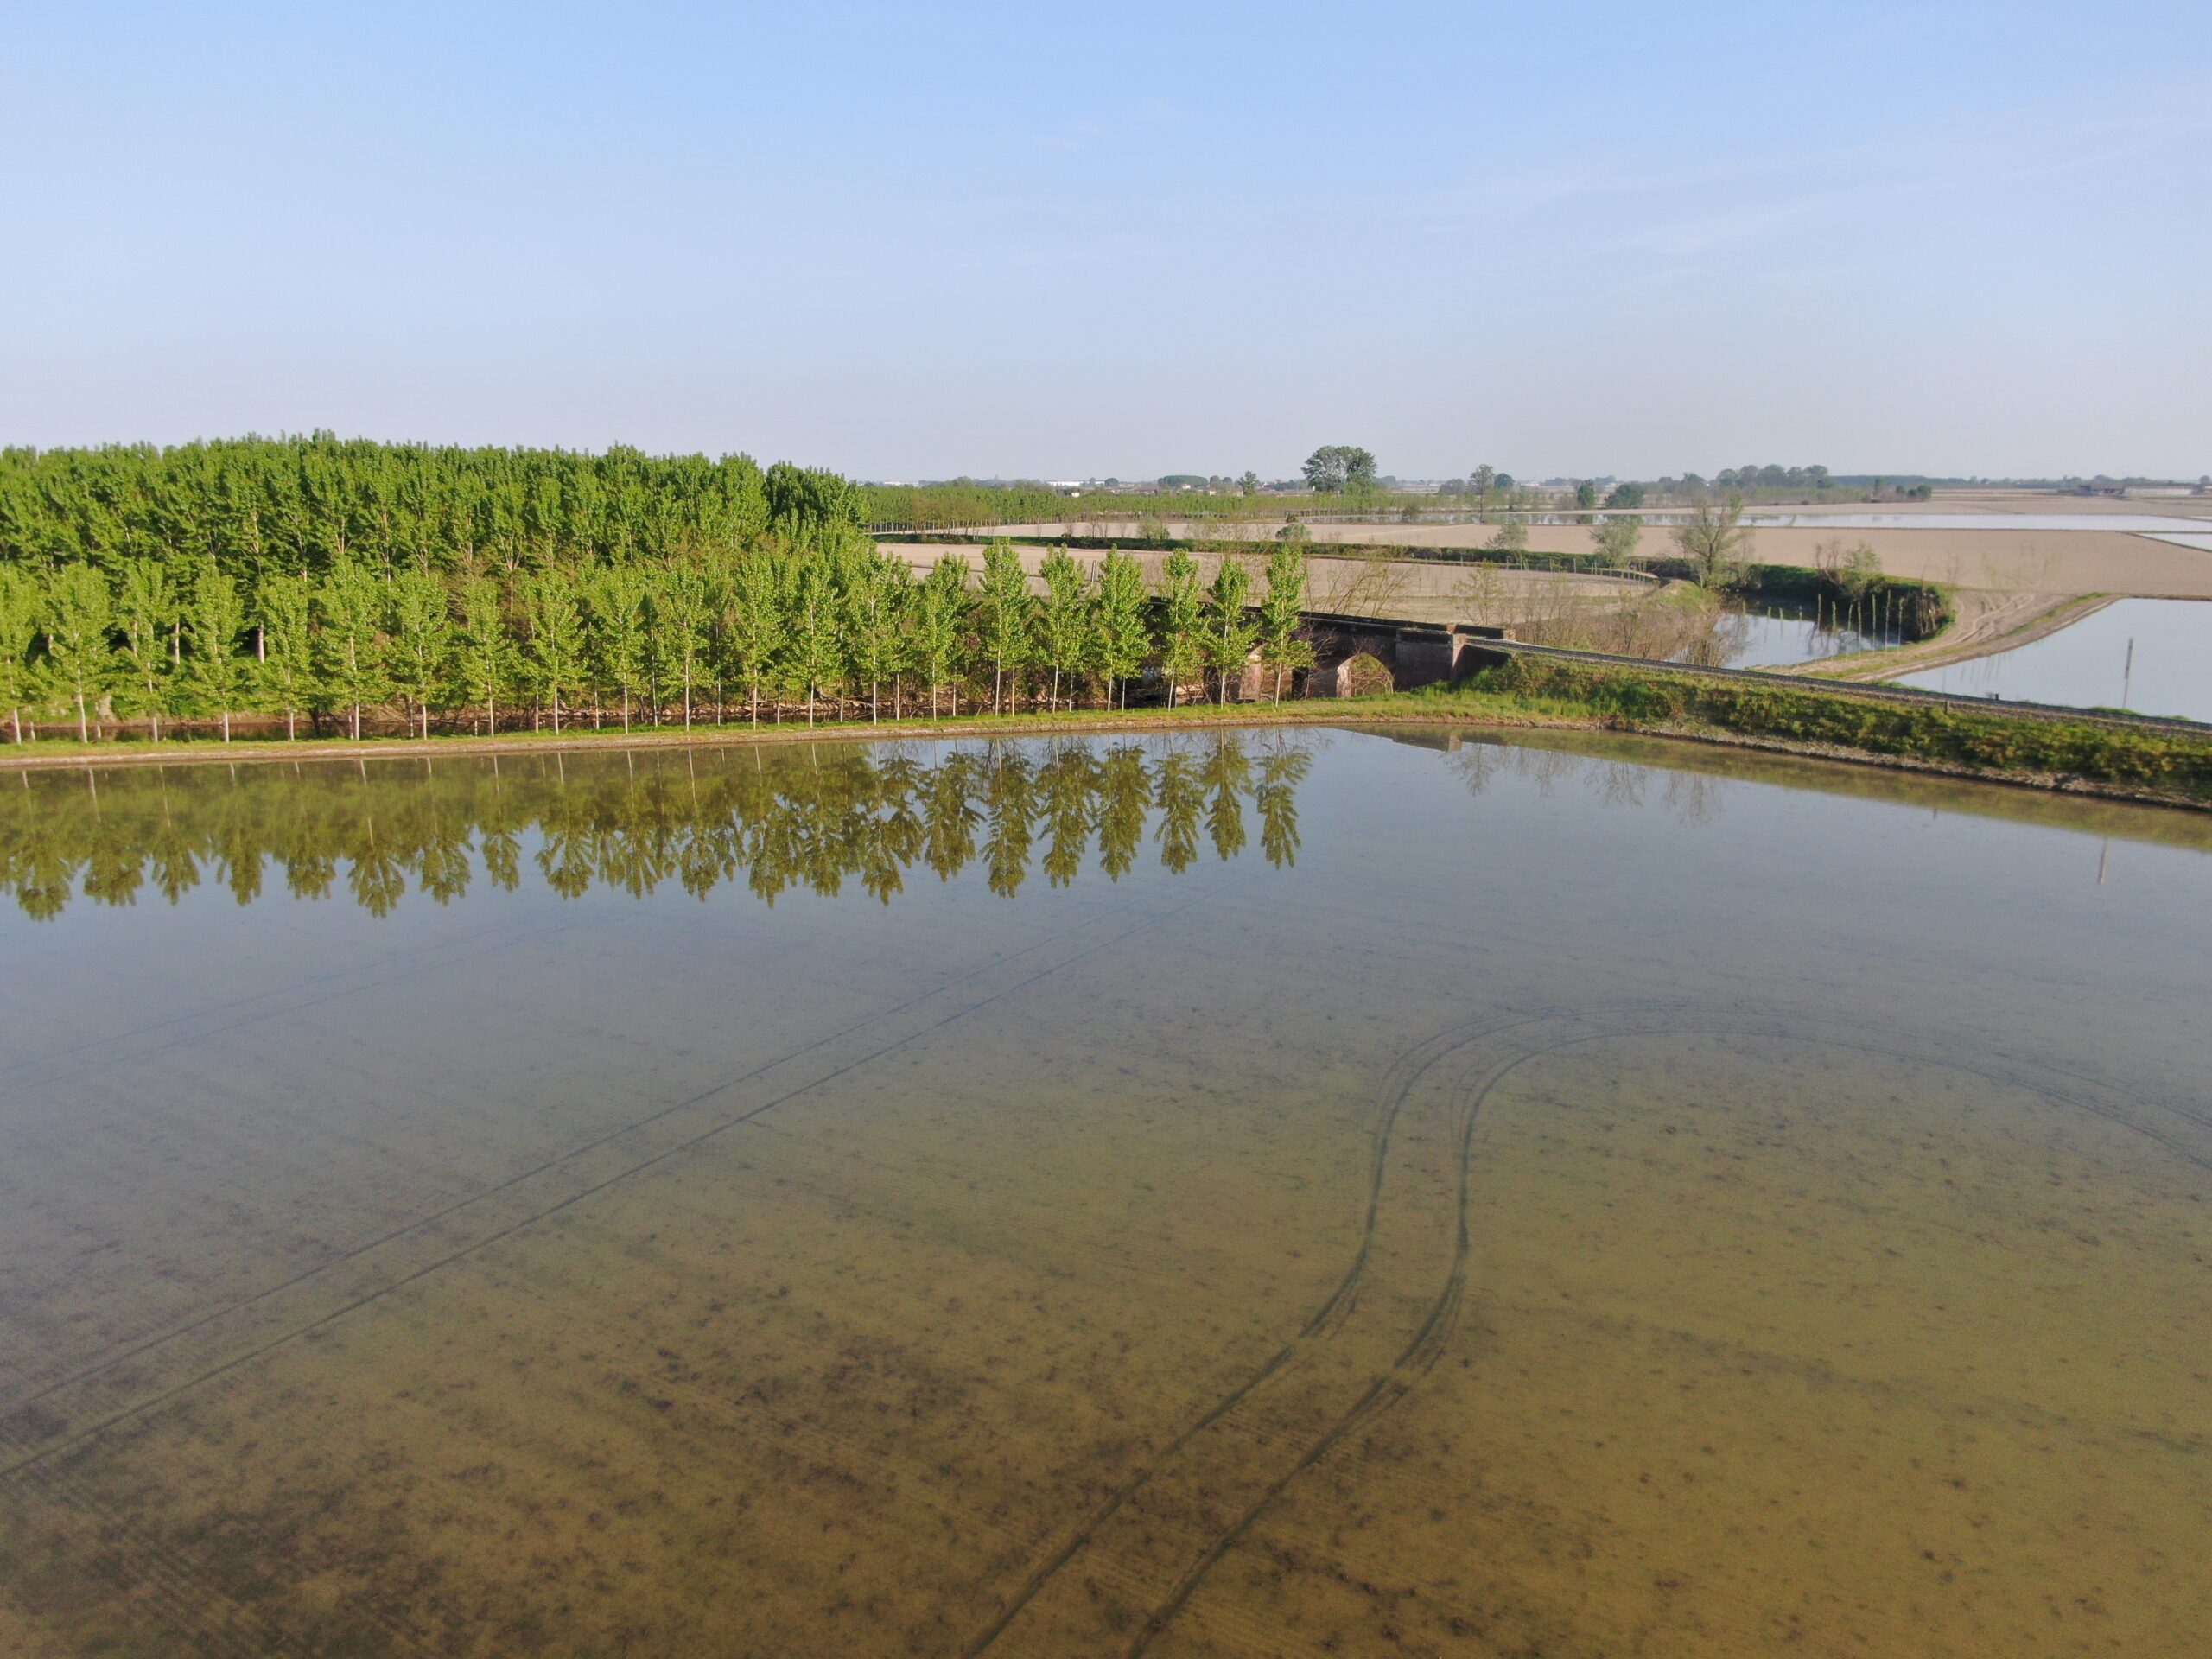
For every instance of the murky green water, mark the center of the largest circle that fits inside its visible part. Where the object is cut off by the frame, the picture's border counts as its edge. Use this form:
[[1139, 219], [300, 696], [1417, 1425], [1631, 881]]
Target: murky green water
[[1311, 1192]]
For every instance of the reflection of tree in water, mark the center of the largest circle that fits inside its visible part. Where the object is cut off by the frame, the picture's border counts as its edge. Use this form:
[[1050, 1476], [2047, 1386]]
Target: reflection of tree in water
[[1689, 798], [810, 819]]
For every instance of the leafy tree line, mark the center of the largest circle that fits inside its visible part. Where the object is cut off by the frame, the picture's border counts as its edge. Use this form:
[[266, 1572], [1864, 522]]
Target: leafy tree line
[[293, 506], [808, 615], [780, 822]]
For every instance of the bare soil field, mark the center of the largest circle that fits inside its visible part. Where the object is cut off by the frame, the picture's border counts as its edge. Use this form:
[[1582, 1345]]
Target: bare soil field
[[1411, 590], [2085, 561]]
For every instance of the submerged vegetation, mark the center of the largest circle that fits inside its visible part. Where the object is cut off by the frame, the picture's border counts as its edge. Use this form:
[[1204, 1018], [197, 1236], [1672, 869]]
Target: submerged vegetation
[[365, 587], [787, 820]]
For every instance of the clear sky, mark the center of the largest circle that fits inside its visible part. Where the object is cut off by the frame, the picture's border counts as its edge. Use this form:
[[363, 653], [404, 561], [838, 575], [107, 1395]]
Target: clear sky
[[1056, 241]]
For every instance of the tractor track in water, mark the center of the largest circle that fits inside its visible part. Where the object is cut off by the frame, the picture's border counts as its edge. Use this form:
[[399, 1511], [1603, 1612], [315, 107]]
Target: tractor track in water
[[1404, 1076], [1470, 1091]]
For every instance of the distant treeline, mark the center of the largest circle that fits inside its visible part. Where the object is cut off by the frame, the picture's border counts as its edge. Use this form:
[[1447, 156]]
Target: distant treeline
[[376, 586], [967, 504], [780, 820]]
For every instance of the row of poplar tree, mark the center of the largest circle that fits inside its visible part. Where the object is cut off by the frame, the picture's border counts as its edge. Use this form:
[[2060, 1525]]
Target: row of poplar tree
[[377, 584]]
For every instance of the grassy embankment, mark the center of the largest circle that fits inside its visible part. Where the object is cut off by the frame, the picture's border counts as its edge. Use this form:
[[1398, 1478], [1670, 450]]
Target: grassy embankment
[[2107, 758], [2087, 755]]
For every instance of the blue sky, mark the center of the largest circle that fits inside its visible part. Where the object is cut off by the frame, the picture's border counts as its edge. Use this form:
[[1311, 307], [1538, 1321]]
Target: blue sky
[[1036, 240]]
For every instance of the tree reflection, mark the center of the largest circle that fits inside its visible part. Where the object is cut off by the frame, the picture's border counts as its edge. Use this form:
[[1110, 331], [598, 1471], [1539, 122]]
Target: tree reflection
[[811, 819]]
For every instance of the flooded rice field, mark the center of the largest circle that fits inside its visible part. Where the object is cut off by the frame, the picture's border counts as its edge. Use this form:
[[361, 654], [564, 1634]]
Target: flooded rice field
[[1307, 1191], [2152, 656]]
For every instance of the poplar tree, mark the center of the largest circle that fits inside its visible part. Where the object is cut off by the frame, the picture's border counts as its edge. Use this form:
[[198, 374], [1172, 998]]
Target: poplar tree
[[1182, 644], [1230, 631], [872, 619], [615, 597], [351, 603], [146, 610], [79, 611], [754, 625], [216, 620], [19, 620], [557, 635], [1282, 648], [1063, 619], [284, 612], [1004, 607], [940, 625], [483, 653], [678, 596], [812, 653], [422, 639], [1121, 634]]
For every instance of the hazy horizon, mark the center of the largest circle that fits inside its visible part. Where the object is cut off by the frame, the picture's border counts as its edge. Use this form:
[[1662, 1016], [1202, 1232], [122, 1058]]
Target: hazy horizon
[[1969, 243]]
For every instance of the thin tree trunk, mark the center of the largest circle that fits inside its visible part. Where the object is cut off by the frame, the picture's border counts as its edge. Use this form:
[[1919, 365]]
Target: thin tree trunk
[[81, 738]]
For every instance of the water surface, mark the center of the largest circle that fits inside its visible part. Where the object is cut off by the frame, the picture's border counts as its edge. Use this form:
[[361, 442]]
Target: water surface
[[1313, 1191], [2150, 656], [1770, 634]]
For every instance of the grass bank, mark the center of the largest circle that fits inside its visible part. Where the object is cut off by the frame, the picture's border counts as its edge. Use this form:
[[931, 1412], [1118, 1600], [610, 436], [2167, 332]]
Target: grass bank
[[2171, 767], [2082, 757]]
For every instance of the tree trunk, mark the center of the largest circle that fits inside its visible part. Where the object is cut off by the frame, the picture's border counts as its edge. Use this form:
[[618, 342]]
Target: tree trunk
[[291, 725], [556, 711], [81, 738]]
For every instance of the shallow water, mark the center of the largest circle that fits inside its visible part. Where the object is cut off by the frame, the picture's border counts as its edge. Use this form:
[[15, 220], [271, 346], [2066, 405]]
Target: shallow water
[[1197, 1195], [1766, 634], [2089, 664]]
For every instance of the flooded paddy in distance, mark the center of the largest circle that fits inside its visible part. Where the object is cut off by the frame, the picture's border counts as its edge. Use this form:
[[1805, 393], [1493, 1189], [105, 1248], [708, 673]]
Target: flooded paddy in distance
[[1301, 1191], [2150, 656]]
